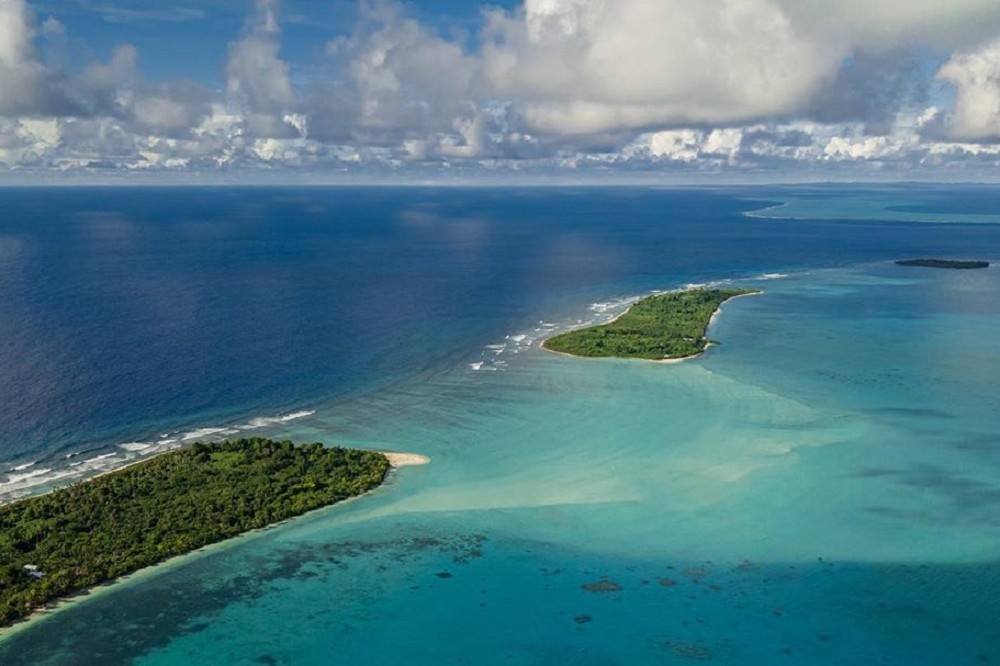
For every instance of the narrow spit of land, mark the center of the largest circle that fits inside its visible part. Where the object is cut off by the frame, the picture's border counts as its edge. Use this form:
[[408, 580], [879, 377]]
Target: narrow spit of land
[[92, 532], [669, 326], [943, 263]]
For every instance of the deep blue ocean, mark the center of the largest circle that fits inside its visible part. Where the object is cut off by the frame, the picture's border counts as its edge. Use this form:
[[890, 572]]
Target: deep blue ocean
[[821, 487]]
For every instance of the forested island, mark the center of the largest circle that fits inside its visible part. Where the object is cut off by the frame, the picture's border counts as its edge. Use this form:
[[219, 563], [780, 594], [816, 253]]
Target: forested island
[[97, 530], [658, 327], [943, 263]]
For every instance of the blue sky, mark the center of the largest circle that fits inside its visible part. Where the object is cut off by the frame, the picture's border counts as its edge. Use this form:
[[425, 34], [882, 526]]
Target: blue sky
[[576, 90]]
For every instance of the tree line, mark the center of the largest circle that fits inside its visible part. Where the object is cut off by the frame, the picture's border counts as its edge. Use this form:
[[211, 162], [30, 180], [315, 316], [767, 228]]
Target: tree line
[[662, 326], [100, 529]]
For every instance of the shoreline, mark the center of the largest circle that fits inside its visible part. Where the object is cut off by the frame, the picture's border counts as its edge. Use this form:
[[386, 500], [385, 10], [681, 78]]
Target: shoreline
[[396, 460], [679, 359], [67, 474], [718, 310]]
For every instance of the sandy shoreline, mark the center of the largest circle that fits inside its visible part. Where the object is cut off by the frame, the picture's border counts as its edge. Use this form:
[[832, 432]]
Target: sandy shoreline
[[405, 459], [715, 314], [679, 359], [396, 460]]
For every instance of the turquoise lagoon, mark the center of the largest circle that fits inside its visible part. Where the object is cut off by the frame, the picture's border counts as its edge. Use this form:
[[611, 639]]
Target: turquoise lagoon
[[821, 487]]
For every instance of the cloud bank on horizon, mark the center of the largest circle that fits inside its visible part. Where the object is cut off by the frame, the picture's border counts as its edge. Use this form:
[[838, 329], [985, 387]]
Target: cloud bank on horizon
[[572, 86]]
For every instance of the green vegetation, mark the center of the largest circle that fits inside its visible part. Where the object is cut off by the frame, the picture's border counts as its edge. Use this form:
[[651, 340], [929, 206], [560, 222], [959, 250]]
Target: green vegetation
[[94, 531], [943, 263], [658, 327]]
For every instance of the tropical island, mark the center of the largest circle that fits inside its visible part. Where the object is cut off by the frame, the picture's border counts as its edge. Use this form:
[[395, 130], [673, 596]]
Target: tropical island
[[670, 326], [943, 263], [94, 531]]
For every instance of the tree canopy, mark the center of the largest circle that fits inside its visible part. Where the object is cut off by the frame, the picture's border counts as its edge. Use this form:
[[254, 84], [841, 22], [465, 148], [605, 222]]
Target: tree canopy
[[100, 529], [662, 326]]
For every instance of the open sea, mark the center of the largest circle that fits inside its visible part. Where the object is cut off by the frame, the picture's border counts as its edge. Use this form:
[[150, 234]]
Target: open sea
[[822, 487]]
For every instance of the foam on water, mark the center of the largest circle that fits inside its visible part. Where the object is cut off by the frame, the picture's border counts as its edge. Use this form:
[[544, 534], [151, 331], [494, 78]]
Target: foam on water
[[79, 465], [18, 479], [496, 356], [135, 446], [818, 489], [628, 512], [263, 422]]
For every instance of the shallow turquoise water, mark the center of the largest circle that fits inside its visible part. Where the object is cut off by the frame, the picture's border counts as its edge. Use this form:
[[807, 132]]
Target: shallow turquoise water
[[820, 488], [933, 205]]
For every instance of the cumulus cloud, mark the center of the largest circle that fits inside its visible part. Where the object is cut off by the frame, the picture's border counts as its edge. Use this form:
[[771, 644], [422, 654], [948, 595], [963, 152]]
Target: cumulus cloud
[[399, 83], [113, 90], [171, 109], [682, 145], [975, 76], [26, 86], [647, 83], [872, 88], [257, 79], [587, 67], [584, 72], [99, 83], [27, 141], [886, 24], [599, 65]]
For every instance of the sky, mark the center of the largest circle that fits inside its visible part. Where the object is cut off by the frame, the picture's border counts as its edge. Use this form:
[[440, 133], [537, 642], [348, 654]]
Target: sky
[[439, 90]]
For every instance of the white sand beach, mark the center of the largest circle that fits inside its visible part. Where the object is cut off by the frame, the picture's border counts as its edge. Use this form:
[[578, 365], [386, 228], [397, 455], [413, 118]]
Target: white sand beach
[[405, 459]]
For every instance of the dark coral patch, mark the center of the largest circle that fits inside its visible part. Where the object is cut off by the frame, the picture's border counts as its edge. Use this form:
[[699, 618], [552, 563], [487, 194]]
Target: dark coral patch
[[603, 585], [684, 650]]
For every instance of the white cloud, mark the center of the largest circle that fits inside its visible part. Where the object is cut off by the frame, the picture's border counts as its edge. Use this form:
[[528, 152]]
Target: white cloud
[[864, 148], [401, 83], [577, 67], [681, 145], [582, 68], [724, 142], [52, 27], [28, 141], [474, 138], [42, 134], [102, 82], [257, 80], [627, 83], [24, 82], [880, 24], [590, 72], [165, 111], [975, 76], [16, 33]]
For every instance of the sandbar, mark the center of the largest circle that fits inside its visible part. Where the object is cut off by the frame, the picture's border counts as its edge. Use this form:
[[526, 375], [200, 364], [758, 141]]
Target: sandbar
[[405, 459]]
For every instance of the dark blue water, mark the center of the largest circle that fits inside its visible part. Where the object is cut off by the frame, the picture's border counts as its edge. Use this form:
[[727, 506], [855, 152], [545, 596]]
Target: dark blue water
[[818, 489], [124, 312]]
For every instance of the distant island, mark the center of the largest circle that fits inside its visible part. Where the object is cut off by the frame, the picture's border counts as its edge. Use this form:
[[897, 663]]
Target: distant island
[[943, 263], [669, 326], [92, 532]]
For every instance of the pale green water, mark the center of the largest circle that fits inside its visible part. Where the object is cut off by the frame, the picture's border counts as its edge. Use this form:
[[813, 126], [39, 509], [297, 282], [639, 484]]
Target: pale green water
[[821, 488]]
